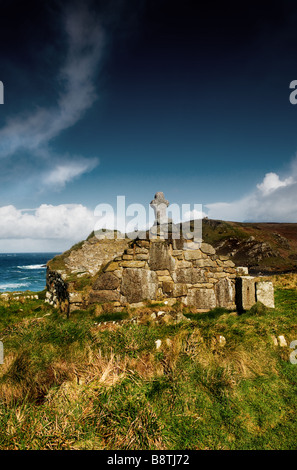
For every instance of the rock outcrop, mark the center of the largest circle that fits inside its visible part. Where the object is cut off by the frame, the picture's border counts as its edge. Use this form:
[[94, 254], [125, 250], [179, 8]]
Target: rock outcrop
[[265, 248]]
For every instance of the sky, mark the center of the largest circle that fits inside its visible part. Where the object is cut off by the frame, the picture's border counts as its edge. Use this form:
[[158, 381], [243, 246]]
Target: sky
[[129, 97]]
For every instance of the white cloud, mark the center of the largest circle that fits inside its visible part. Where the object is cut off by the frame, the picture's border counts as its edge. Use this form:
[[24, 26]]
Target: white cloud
[[273, 200], [47, 226], [271, 182], [67, 171]]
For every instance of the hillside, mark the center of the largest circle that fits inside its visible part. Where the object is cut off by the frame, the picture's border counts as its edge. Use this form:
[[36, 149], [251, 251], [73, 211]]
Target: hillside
[[263, 247], [139, 380]]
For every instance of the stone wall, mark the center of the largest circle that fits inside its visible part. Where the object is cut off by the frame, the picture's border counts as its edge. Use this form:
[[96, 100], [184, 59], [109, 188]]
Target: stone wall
[[154, 270], [82, 261], [132, 272], [93, 253], [57, 290]]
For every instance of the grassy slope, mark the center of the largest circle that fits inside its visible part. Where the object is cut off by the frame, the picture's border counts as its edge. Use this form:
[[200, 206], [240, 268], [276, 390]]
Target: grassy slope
[[285, 256], [75, 384]]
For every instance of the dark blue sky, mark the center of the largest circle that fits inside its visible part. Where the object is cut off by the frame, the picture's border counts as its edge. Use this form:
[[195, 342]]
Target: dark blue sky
[[190, 98]]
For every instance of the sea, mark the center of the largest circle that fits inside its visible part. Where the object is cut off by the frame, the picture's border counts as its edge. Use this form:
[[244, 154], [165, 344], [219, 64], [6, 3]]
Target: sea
[[23, 271]]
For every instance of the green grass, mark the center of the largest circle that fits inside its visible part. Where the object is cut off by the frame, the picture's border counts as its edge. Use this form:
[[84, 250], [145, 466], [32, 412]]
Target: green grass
[[213, 233], [75, 384], [80, 283]]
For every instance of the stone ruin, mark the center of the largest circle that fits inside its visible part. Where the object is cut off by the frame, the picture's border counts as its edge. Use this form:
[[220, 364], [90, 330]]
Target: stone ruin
[[157, 267]]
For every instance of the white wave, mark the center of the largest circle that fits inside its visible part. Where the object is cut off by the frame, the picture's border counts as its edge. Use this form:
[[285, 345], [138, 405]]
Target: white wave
[[32, 266], [13, 285]]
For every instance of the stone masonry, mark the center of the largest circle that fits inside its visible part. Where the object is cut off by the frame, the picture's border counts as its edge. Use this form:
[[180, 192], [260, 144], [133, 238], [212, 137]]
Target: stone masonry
[[132, 272], [155, 270]]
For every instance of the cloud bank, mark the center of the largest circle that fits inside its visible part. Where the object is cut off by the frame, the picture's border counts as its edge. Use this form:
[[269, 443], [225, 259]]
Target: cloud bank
[[273, 200], [48, 228]]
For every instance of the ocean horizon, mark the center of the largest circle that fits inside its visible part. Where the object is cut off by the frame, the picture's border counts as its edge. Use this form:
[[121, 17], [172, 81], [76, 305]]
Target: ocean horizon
[[23, 271]]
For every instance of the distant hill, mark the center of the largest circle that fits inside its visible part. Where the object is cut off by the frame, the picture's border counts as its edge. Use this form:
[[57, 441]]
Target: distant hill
[[263, 247]]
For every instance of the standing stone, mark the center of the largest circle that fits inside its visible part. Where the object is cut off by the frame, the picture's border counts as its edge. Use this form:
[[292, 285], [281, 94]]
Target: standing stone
[[245, 292], [265, 293]]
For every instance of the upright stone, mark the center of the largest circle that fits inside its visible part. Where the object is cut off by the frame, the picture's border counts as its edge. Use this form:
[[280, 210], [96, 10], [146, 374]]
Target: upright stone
[[265, 293], [245, 292]]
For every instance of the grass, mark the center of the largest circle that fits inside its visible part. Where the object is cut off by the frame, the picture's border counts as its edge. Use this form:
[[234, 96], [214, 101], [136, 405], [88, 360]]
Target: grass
[[285, 281], [80, 283], [215, 231], [89, 383]]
